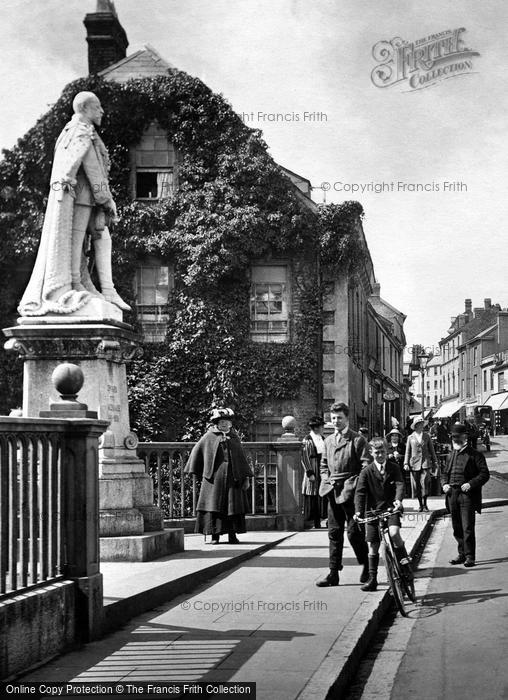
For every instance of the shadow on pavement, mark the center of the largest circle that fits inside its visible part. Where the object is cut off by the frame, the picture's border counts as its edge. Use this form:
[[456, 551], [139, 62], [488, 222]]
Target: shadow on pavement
[[440, 571], [499, 560], [303, 546], [420, 611], [154, 651], [499, 475], [296, 562], [442, 600]]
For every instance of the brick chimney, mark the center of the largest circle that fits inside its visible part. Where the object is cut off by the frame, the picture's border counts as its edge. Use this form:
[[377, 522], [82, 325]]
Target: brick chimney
[[107, 40], [487, 303]]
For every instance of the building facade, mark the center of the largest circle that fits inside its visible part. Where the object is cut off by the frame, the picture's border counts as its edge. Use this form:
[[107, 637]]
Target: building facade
[[362, 341], [357, 346], [469, 342], [483, 361]]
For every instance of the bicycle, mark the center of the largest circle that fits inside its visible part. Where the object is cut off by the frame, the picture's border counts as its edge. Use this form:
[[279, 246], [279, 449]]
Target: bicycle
[[400, 577]]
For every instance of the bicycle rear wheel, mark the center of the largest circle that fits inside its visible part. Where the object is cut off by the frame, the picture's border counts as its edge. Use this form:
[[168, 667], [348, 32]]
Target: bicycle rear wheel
[[394, 578]]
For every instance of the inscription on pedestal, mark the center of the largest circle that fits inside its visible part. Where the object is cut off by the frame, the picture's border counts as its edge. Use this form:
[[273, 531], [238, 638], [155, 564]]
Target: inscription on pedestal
[[113, 407]]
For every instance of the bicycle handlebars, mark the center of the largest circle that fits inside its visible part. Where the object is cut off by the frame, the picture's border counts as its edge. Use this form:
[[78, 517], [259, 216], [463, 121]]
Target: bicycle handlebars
[[378, 516]]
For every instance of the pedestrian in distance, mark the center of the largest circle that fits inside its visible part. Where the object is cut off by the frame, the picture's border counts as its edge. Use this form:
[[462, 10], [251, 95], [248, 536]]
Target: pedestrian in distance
[[219, 459], [380, 487], [462, 479], [344, 454], [443, 437], [472, 433], [364, 432], [312, 448], [396, 447], [420, 460]]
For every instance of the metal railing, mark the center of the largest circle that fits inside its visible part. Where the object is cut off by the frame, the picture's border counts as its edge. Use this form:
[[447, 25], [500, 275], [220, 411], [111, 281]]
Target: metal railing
[[176, 493], [31, 505]]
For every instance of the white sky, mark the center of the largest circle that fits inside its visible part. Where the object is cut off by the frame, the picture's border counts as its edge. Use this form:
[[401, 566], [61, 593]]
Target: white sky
[[430, 250]]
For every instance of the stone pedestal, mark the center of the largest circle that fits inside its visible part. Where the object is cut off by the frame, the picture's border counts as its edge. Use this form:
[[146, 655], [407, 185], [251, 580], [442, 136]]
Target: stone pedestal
[[101, 349]]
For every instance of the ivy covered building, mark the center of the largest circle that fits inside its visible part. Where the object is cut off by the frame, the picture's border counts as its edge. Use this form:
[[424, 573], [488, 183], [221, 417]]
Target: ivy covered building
[[244, 292]]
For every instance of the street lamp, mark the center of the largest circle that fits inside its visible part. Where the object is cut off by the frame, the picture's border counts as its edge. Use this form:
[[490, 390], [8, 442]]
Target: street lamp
[[423, 359]]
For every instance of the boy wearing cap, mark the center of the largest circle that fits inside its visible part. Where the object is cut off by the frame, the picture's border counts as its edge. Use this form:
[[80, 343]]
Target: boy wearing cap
[[462, 479], [219, 459], [380, 487]]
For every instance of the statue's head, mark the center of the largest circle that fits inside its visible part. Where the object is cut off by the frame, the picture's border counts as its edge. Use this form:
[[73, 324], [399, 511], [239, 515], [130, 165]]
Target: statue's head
[[88, 104]]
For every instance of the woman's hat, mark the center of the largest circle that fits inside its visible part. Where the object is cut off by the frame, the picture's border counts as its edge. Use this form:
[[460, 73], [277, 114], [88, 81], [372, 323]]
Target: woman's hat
[[315, 421], [218, 414], [417, 421], [394, 431]]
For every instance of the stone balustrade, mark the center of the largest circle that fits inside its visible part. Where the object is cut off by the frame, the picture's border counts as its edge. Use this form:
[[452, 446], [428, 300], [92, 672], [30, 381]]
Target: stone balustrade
[[275, 488]]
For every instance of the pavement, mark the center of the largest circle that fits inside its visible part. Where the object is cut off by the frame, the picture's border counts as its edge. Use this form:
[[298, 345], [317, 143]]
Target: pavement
[[132, 588], [261, 621], [244, 613]]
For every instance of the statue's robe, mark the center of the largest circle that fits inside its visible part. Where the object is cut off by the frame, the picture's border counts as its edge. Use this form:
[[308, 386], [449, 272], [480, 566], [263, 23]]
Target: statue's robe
[[79, 176]]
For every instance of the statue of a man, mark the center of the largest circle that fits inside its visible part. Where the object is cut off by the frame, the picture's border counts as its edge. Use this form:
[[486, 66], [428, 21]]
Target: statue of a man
[[79, 201]]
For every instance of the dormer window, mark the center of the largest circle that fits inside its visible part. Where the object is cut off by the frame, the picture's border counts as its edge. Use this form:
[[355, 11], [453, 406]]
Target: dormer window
[[154, 164]]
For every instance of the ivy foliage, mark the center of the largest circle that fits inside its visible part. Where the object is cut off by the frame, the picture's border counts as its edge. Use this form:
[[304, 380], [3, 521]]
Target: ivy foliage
[[340, 244], [233, 205]]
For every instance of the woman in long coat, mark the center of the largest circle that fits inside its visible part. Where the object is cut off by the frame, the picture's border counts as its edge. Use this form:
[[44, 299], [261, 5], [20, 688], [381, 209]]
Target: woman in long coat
[[314, 507], [219, 459]]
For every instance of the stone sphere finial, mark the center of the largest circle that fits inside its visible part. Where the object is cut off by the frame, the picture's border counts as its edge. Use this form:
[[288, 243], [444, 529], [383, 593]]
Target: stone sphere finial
[[68, 379], [288, 424]]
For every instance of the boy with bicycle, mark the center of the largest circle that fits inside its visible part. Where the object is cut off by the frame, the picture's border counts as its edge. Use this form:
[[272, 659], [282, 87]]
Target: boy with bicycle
[[380, 487]]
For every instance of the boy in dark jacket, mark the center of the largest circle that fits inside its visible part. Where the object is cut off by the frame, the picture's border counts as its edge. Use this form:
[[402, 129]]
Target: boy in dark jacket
[[380, 487]]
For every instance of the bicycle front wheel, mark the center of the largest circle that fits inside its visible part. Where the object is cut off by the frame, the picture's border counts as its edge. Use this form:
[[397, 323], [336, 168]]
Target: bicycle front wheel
[[394, 579], [408, 584]]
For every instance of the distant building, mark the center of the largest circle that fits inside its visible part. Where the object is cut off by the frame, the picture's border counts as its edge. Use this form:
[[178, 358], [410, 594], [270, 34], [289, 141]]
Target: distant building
[[469, 337], [482, 366], [433, 389]]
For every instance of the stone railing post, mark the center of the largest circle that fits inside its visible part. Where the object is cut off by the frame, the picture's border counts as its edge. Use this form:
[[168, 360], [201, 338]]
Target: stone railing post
[[289, 478], [80, 498]]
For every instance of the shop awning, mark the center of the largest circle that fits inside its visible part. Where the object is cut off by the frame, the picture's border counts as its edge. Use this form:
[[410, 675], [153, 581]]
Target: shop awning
[[448, 408], [427, 413], [498, 402]]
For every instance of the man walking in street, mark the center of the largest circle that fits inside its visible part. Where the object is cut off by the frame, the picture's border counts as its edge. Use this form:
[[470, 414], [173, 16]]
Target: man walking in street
[[462, 479], [344, 454]]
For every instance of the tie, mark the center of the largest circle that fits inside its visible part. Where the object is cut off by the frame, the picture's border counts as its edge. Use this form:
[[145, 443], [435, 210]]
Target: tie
[[382, 470], [454, 457]]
